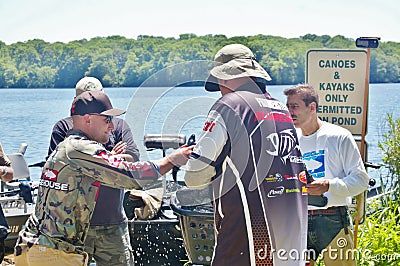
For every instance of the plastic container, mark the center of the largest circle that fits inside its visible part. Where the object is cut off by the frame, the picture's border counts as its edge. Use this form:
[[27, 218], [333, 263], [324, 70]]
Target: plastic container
[[194, 209]]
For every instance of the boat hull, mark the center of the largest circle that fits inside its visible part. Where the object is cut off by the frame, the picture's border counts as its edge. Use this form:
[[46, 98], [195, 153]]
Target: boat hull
[[16, 212]]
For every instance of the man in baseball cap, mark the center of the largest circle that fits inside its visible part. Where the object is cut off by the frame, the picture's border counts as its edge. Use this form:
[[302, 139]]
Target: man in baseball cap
[[94, 102], [109, 221], [72, 179], [88, 108], [88, 84]]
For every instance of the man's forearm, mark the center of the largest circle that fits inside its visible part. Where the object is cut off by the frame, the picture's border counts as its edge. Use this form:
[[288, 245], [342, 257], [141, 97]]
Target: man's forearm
[[165, 165]]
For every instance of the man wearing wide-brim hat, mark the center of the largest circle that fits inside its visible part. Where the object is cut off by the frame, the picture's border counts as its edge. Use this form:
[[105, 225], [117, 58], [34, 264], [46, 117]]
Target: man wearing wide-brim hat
[[248, 152]]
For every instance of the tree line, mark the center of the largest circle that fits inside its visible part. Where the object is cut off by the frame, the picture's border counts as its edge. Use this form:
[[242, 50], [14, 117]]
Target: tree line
[[122, 62]]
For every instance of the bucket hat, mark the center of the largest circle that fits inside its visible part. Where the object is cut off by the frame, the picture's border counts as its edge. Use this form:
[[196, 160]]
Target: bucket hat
[[234, 61]]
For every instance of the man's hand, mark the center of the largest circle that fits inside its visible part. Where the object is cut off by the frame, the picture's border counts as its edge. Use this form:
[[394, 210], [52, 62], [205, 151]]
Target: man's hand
[[119, 148], [318, 187], [178, 158], [126, 157], [181, 156]]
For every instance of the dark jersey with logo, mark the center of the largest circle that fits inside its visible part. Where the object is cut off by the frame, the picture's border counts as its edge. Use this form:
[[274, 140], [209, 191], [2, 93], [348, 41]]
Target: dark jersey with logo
[[260, 203]]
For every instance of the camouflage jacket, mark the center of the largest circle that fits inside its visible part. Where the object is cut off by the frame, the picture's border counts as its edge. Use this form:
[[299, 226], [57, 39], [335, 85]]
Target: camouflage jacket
[[68, 191]]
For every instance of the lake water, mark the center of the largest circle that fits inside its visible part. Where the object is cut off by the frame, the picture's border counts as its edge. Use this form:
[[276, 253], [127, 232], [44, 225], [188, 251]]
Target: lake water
[[28, 115]]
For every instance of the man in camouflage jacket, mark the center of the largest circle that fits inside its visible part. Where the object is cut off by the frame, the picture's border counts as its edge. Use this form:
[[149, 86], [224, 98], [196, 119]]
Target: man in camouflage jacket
[[55, 232]]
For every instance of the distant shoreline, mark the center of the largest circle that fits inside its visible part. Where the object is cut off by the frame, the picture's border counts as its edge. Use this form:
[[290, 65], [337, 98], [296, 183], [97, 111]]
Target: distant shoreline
[[156, 61], [181, 85]]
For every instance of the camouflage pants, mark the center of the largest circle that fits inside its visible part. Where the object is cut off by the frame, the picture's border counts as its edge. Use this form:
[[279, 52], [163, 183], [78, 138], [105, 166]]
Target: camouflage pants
[[109, 245], [38, 255]]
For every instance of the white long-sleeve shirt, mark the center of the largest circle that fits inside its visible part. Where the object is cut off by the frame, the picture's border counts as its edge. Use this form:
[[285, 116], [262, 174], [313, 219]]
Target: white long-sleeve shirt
[[332, 153]]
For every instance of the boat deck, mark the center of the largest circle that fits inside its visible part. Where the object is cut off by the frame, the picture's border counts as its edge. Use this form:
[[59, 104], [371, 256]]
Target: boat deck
[[8, 260]]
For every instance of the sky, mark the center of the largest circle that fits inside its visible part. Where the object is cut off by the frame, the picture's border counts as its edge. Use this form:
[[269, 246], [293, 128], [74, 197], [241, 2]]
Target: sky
[[69, 20]]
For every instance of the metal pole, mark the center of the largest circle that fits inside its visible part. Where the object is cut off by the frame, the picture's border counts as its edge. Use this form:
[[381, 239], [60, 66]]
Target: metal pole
[[361, 197]]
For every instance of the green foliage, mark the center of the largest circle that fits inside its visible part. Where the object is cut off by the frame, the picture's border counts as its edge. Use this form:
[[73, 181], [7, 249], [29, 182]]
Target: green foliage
[[379, 236], [391, 155], [118, 61]]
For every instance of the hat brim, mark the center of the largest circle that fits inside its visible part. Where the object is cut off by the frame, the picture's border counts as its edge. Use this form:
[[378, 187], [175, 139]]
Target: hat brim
[[239, 68], [113, 112], [212, 84], [233, 69]]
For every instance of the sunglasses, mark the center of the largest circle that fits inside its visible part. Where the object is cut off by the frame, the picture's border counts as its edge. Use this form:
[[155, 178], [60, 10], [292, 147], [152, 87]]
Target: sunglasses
[[108, 120]]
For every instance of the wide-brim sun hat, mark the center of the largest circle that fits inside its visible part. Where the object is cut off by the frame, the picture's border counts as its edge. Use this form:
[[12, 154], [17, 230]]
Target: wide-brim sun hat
[[234, 61]]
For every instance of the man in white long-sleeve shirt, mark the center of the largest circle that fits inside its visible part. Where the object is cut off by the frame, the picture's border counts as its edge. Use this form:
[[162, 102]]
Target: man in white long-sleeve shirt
[[333, 159]]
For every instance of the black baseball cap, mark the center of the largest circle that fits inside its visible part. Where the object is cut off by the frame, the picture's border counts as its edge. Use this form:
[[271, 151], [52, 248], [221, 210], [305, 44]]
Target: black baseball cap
[[94, 102]]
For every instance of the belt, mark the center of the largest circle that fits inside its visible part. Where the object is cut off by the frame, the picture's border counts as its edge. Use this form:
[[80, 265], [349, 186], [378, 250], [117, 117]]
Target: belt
[[329, 211]]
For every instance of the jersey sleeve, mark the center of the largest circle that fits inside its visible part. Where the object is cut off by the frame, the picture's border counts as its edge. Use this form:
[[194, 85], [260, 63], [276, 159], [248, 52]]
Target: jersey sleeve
[[199, 169], [92, 159]]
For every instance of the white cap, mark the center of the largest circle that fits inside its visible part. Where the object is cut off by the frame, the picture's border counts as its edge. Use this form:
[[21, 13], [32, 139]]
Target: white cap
[[88, 84]]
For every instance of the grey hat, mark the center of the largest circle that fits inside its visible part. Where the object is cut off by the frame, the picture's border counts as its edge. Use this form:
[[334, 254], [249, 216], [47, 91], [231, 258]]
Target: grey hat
[[234, 61], [88, 84]]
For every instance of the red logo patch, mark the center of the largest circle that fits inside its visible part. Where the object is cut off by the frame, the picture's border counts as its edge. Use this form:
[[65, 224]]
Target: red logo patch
[[98, 185], [50, 174], [272, 116], [303, 177], [73, 108], [208, 126]]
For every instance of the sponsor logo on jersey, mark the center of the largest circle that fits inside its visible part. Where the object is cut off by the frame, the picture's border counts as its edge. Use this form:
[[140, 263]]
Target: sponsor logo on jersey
[[145, 170], [292, 190], [273, 104], [282, 144], [208, 126], [274, 178], [295, 159], [303, 177], [275, 192], [272, 116], [304, 191], [290, 177], [112, 160]]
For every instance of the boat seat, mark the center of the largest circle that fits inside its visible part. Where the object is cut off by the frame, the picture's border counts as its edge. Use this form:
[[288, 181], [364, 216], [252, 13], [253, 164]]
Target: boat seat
[[164, 141], [21, 173], [19, 165]]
